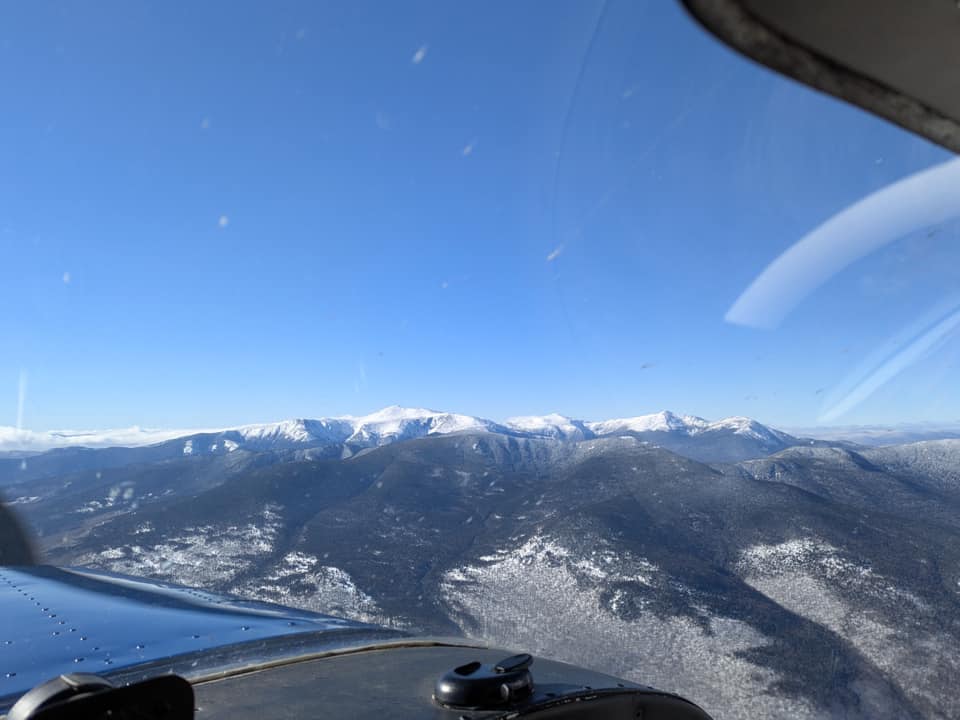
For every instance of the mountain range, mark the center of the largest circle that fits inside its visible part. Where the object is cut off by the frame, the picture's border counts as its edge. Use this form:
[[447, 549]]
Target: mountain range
[[732, 438], [758, 573]]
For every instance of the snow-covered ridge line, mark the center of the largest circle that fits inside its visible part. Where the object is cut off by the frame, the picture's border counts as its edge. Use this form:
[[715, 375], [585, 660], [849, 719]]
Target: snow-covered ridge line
[[661, 422], [388, 425], [378, 428]]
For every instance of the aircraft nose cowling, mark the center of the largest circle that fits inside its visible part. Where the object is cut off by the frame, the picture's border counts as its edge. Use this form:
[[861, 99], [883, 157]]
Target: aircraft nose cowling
[[61, 620]]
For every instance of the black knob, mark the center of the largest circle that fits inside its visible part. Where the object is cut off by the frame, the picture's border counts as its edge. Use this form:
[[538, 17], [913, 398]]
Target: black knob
[[477, 686], [514, 662]]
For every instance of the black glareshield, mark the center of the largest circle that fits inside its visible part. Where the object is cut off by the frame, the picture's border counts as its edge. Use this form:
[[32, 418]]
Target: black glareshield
[[89, 697]]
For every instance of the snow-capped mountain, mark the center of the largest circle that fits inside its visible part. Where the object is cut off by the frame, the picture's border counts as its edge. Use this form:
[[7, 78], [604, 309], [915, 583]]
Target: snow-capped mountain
[[396, 423], [391, 424], [724, 440], [664, 421], [689, 425], [728, 440], [558, 427], [291, 433]]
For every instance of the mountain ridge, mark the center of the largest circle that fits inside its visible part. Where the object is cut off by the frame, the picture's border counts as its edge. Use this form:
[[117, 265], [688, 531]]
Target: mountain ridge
[[385, 425], [819, 579]]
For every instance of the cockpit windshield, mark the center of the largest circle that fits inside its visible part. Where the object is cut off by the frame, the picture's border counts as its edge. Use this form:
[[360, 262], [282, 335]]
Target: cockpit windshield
[[557, 325]]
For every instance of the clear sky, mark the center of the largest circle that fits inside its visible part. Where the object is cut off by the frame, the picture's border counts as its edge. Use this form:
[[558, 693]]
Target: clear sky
[[225, 212]]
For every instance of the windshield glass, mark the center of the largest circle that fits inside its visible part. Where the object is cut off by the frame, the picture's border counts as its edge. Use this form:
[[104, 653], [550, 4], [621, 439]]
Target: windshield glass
[[563, 327]]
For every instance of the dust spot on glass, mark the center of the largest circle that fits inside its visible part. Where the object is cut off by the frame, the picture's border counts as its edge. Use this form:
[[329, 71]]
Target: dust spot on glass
[[469, 148], [205, 123], [301, 33], [444, 285], [66, 278], [383, 121], [419, 55], [23, 464], [223, 221]]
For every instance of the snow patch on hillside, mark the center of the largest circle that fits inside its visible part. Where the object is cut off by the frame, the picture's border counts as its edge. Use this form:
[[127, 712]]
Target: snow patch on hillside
[[510, 596], [938, 460], [816, 557], [811, 578], [301, 580], [204, 556]]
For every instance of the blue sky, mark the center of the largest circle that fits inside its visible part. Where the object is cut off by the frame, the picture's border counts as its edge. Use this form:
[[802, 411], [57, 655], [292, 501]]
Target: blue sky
[[217, 213]]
